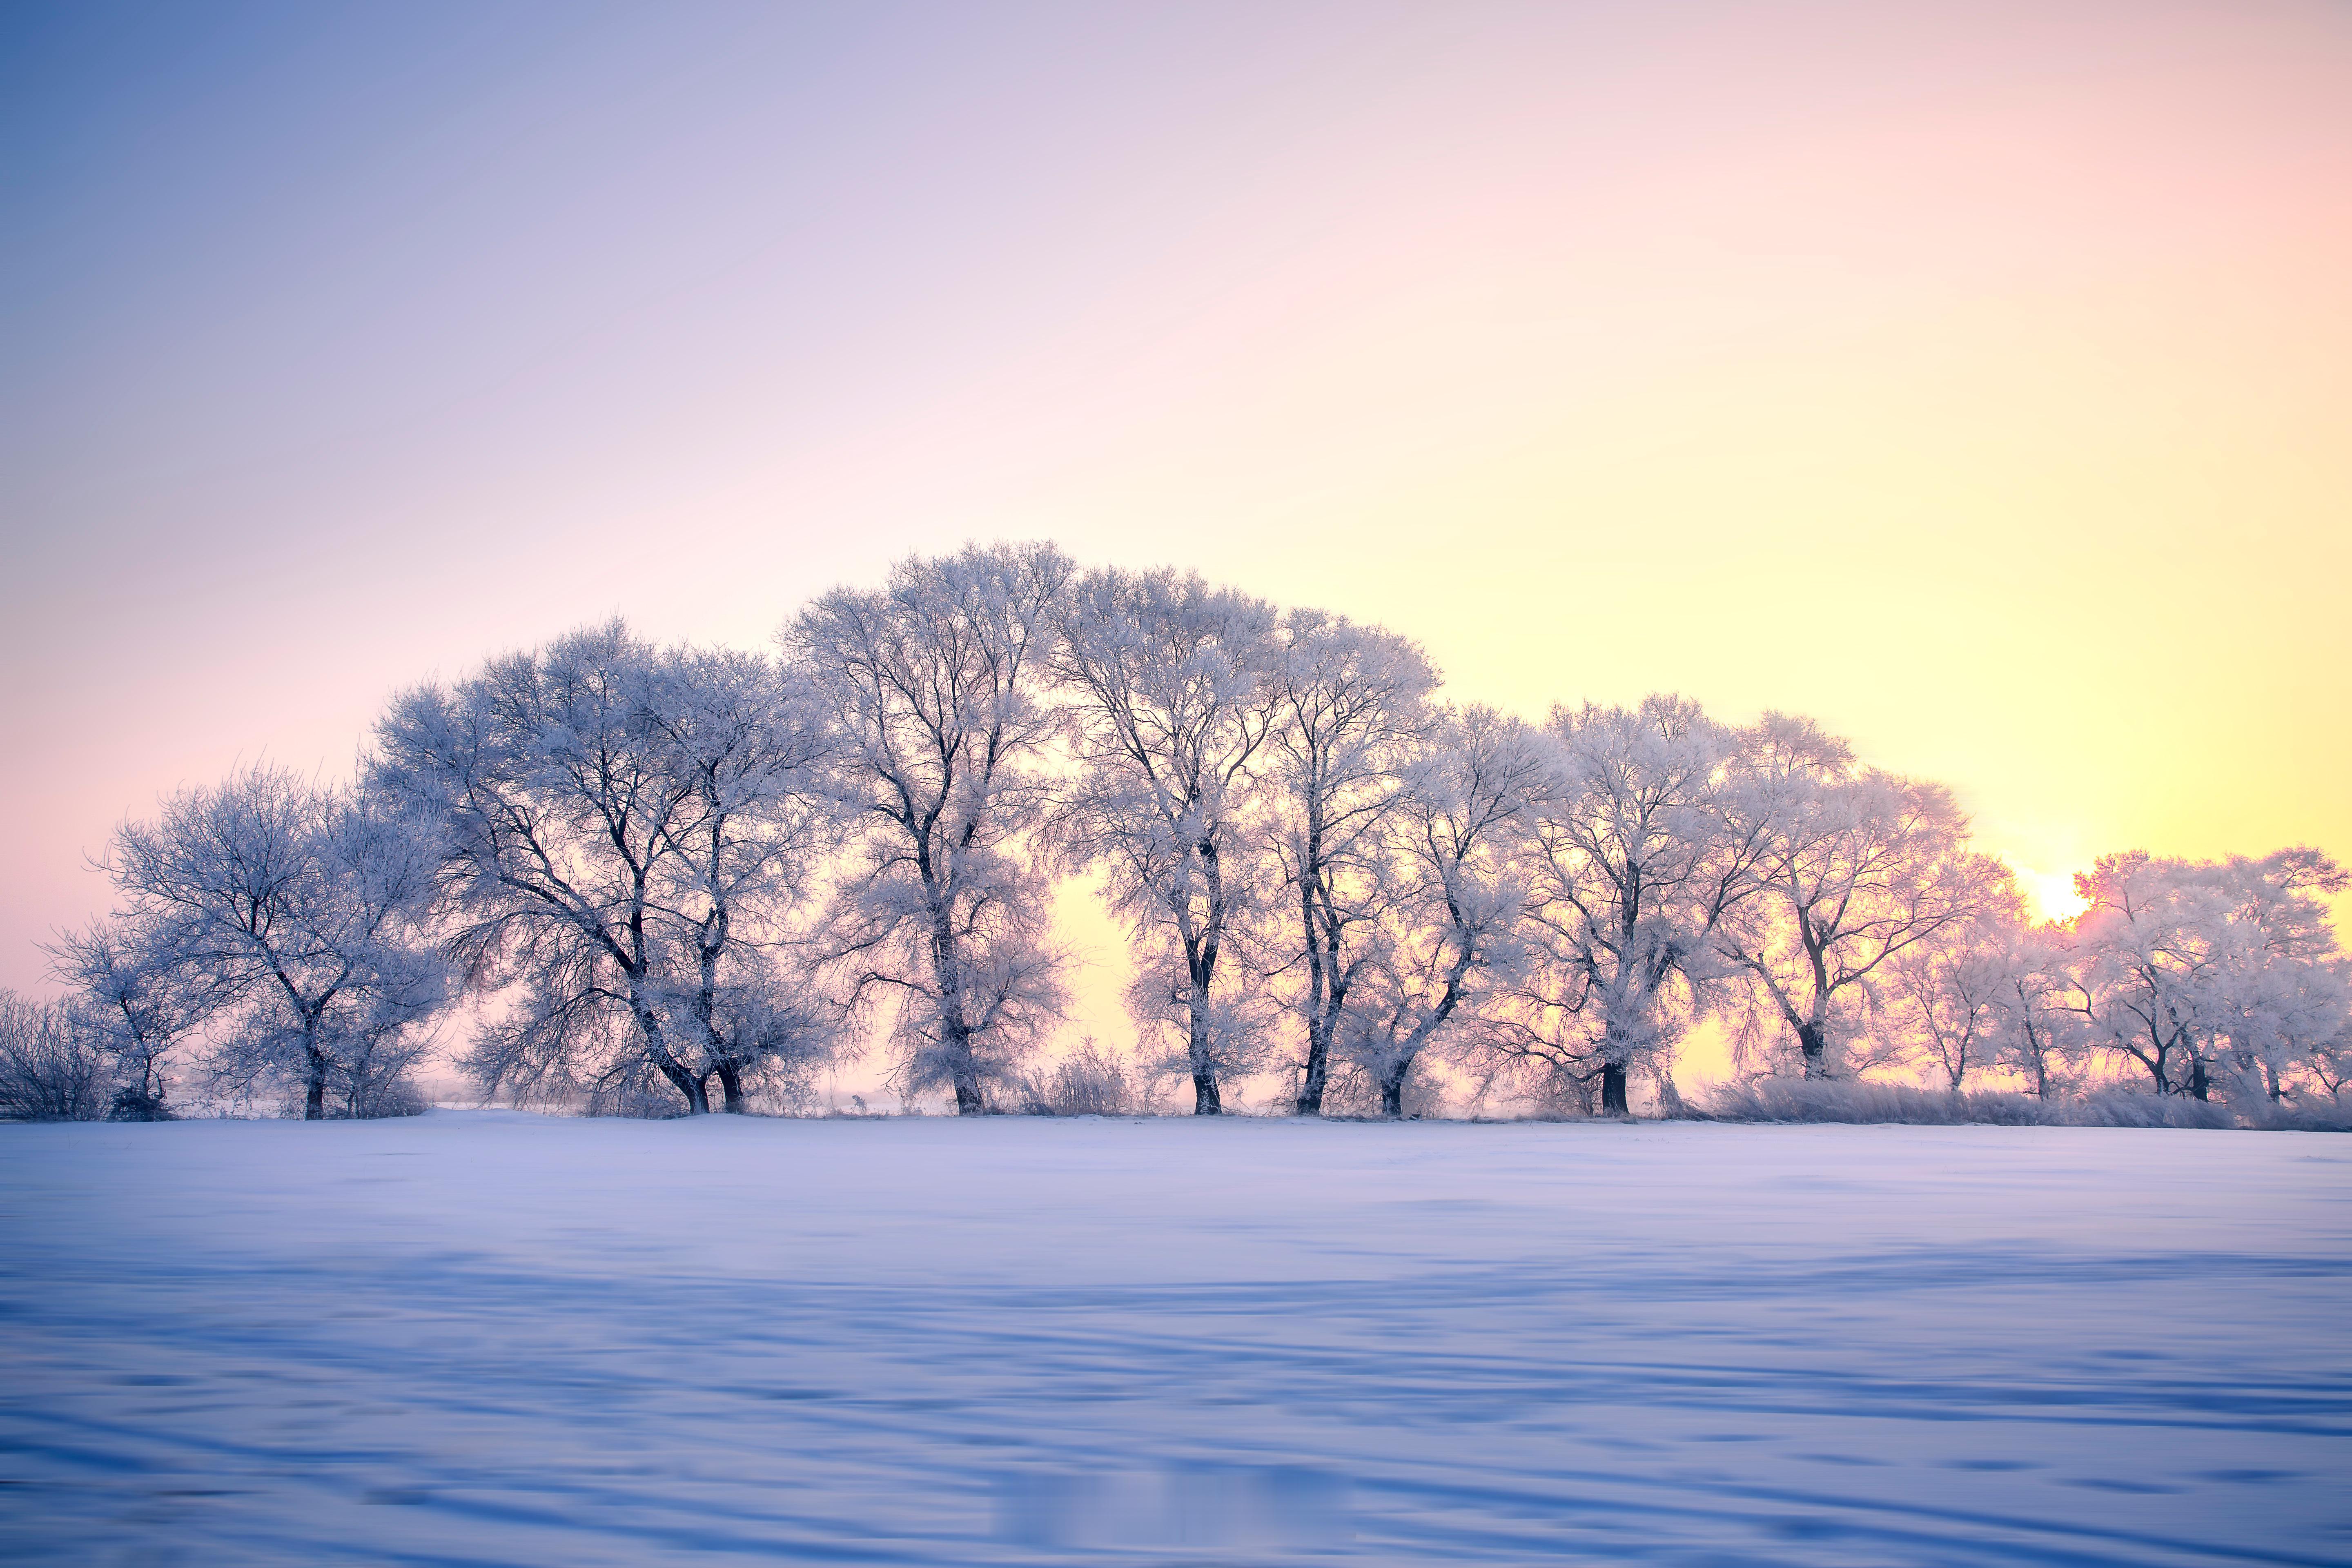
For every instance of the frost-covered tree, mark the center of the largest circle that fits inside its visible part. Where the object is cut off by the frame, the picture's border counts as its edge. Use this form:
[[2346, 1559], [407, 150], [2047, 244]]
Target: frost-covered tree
[[291, 913], [1638, 855], [2221, 974], [747, 739], [2288, 1003], [1351, 716], [619, 829], [2328, 1070], [144, 1006], [935, 688], [541, 780], [1172, 696], [2037, 1032], [2149, 968], [1855, 866], [1946, 999], [1449, 938]]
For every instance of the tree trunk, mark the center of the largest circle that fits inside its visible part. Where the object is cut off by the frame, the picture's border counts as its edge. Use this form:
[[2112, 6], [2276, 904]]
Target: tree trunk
[[688, 1085], [1206, 1100], [1392, 1090], [698, 1099], [2199, 1084], [1813, 1039], [1318, 1015], [946, 971], [1612, 1090], [1318, 1072], [970, 1100], [314, 1091], [730, 1083]]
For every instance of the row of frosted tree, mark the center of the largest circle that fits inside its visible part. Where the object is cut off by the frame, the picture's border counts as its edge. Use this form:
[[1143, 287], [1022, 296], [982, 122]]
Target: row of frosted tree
[[698, 876]]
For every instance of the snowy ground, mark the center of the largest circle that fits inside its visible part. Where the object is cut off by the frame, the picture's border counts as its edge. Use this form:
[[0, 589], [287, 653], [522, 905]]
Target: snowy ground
[[493, 1337]]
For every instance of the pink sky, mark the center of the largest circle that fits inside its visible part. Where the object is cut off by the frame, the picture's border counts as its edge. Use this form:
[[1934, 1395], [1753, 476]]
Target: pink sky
[[1975, 377]]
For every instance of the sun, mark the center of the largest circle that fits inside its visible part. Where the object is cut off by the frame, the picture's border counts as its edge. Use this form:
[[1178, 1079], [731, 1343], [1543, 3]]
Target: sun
[[2051, 893]]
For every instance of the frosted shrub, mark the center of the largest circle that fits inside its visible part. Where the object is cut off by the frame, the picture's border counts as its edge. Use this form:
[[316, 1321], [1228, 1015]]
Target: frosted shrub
[[2322, 1116], [2120, 1108], [395, 1097], [1091, 1081], [51, 1069], [1354, 1091], [1854, 1101], [635, 1092], [134, 1103]]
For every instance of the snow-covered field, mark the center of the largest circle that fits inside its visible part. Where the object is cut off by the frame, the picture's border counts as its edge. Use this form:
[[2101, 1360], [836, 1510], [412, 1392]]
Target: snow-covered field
[[484, 1336]]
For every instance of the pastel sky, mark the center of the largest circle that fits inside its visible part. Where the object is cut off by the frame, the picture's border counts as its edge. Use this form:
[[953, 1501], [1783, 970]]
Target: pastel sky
[[1976, 377]]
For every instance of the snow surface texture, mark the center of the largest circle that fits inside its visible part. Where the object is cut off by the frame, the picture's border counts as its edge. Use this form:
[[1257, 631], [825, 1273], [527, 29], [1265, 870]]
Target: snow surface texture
[[486, 1337]]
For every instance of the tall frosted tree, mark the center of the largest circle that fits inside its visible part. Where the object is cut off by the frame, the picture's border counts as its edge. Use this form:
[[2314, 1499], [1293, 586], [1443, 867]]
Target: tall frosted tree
[[1854, 867], [618, 827], [2037, 1022], [539, 778], [1450, 938], [1638, 855], [2289, 1008], [2212, 976], [1171, 690], [1352, 714], [1949, 1002], [935, 685], [745, 740], [289, 916]]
